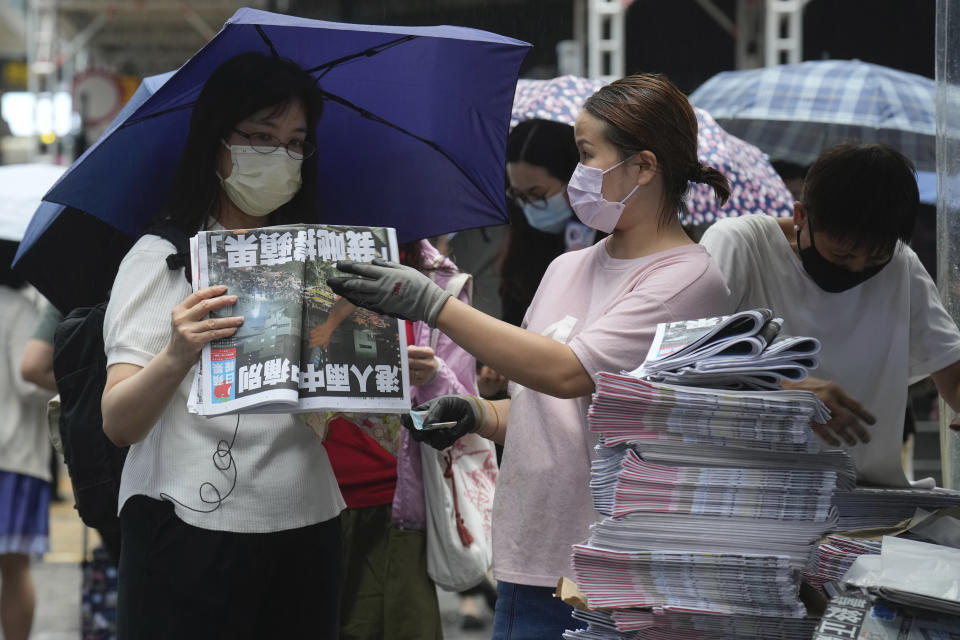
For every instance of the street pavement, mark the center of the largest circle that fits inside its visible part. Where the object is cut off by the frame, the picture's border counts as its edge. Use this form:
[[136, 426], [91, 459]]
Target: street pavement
[[58, 606], [57, 579]]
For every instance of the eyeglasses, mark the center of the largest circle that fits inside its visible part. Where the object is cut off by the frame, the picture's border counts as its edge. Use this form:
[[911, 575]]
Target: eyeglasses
[[537, 202], [266, 143]]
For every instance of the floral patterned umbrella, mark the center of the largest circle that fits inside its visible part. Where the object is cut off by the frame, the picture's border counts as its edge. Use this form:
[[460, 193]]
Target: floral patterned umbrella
[[755, 186], [559, 99]]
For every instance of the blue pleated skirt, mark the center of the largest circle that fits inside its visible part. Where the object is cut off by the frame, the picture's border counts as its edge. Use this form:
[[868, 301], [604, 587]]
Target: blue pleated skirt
[[24, 514]]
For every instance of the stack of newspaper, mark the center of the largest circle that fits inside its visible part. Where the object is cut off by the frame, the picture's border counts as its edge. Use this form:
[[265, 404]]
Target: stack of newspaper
[[869, 508], [641, 623], [742, 351], [834, 555], [715, 499], [731, 565], [626, 409], [636, 485]]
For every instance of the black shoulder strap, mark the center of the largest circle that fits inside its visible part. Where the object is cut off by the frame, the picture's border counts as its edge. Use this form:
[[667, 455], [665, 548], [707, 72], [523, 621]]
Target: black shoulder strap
[[179, 239]]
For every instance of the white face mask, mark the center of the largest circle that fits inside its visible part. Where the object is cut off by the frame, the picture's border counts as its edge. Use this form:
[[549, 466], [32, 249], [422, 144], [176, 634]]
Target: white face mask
[[261, 183], [585, 190]]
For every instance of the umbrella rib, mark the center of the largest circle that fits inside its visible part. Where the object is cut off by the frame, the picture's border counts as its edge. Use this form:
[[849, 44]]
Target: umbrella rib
[[372, 51], [430, 143], [273, 49]]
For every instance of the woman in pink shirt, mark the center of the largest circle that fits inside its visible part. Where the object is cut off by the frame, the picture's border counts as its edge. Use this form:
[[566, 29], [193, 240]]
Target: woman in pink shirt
[[596, 310]]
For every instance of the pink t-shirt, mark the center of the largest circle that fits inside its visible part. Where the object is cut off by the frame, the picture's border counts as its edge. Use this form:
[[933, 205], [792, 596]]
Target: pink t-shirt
[[606, 310]]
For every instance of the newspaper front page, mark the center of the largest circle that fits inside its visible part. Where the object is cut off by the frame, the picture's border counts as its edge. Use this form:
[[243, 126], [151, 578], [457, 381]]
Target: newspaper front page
[[300, 348]]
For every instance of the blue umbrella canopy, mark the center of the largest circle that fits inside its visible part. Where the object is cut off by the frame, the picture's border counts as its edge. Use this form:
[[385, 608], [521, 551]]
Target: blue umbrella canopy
[[412, 136]]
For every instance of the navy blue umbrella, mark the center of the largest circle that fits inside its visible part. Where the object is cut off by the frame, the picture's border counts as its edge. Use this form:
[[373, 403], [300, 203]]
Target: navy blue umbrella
[[413, 136]]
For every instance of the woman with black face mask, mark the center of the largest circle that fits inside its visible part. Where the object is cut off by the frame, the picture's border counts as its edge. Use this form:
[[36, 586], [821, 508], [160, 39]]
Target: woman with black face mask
[[840, 270]]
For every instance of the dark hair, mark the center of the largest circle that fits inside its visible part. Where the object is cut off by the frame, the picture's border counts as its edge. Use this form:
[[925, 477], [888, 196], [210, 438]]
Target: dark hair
[[523, 260], [646, 112], [863, 195], [546, 144], [527, 252], [8, 276], [789, 170], [238, 88]]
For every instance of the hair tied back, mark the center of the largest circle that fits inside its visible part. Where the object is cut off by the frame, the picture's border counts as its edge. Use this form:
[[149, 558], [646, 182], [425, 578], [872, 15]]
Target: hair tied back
[[697, 174]]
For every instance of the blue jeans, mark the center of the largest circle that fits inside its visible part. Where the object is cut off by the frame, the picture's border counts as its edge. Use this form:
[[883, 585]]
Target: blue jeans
[[530, 613]]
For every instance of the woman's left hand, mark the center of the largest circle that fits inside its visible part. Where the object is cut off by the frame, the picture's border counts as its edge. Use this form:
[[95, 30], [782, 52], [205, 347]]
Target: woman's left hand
[[424, 365]]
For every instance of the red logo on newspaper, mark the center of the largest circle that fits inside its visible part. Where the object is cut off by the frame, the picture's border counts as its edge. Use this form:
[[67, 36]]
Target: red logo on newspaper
[[223, 354]]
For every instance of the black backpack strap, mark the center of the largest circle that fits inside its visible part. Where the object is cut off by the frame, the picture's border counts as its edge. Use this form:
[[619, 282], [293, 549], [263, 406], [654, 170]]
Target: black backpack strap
[[179, 239]]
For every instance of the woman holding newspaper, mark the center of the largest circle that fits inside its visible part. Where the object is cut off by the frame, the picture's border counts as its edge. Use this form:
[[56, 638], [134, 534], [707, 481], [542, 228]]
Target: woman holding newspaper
[[227, 528], [596, 310]]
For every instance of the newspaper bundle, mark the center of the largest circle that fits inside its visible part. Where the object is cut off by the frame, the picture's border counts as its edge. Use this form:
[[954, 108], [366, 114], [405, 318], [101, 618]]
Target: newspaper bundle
[[715, 498], [300, 348], [741, 351]]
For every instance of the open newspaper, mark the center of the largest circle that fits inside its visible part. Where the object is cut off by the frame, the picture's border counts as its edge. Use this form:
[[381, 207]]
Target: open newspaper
[[741, 351], [300, 348], [854, 614]]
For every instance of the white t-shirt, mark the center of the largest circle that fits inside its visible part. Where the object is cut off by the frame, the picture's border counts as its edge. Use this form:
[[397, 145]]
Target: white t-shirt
[[24, 439], [607, 311], [283, 476], [876, 338]]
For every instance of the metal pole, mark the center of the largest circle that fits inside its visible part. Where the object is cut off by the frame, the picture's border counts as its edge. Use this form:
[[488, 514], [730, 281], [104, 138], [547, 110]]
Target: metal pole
[[606, 34], [948, 201], [783, 49], [749, 34]]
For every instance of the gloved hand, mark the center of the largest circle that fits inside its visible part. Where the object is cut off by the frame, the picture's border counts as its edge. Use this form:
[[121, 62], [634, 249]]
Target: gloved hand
[[390, 288], [466, 411]]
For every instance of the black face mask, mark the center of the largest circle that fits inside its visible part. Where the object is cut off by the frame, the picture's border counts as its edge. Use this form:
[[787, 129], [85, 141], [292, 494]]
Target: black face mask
[[831, 277]]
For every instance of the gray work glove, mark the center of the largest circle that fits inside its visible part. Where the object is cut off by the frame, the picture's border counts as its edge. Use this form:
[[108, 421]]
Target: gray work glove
[[466, 411], [390, 288]]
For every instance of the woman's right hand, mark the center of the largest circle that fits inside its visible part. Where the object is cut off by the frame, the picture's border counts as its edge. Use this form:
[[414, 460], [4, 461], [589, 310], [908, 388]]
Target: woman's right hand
[[192, 328], [390, 288]]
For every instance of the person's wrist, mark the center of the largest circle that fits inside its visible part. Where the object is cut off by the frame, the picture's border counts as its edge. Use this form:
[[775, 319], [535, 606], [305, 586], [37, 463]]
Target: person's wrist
[[439, 299], [486, 431], [435, 374], [175, 362]]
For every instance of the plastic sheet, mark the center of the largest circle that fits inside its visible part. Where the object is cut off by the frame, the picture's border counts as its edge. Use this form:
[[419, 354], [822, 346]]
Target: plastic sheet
[[920, 567]]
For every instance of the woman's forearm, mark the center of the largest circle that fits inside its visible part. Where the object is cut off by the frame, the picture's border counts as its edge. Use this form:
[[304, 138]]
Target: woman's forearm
[[529, 359], [36, 366], [135, 397], [495, 420]]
